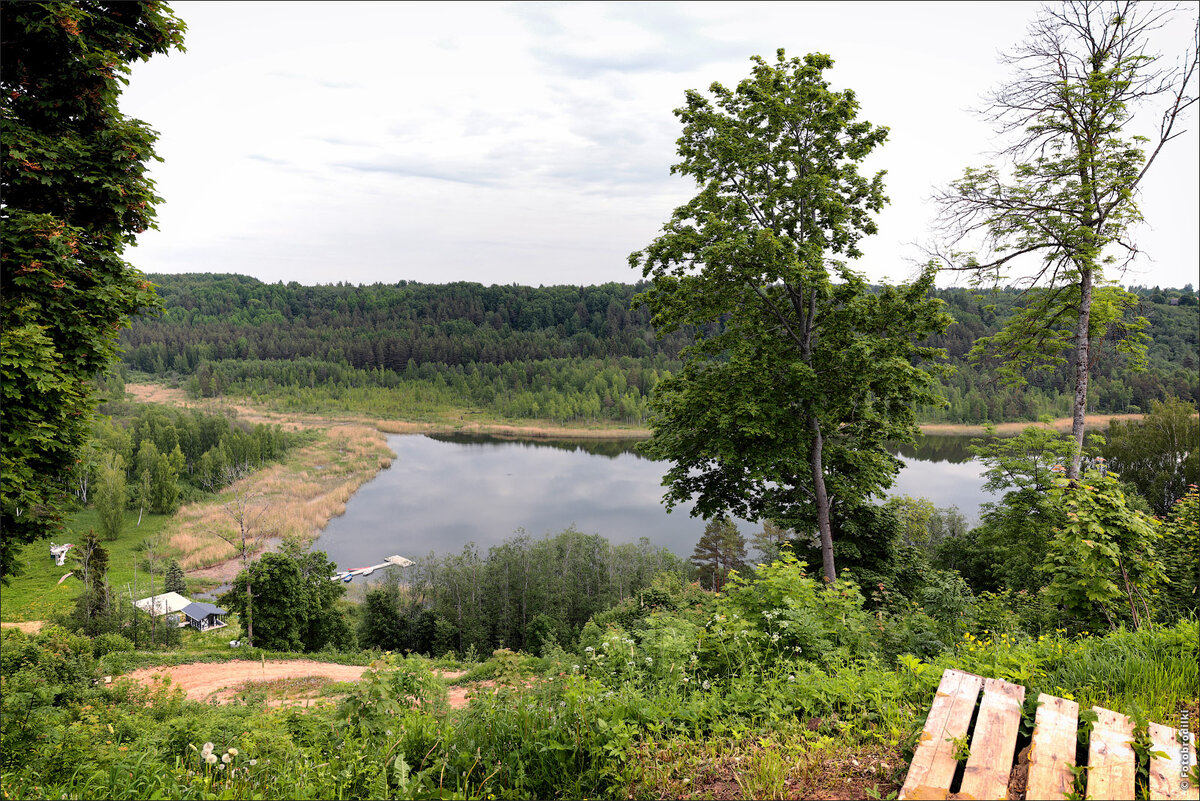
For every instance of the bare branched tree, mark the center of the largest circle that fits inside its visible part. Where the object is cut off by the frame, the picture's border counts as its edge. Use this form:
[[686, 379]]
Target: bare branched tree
[[246, 508], [1069, 194]]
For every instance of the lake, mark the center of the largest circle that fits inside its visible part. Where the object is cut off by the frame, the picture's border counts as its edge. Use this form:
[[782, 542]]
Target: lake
[[444, 491]]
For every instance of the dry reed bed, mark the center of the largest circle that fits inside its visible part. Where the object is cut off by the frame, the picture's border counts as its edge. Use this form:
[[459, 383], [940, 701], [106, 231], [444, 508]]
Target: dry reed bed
[[295, 498]]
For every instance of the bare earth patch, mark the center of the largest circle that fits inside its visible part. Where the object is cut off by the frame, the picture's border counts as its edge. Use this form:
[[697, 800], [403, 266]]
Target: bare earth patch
[[203, 680], [27, 626], [295, 679]]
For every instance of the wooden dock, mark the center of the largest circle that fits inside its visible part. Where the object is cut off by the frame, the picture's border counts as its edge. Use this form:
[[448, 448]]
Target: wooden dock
[[945, 766]]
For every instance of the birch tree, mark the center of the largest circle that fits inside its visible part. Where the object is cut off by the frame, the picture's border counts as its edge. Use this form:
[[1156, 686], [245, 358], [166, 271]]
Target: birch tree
[[1061, 207]]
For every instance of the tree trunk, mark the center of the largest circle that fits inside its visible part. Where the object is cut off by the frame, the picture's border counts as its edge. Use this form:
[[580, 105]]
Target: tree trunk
[[1082, 356], [822, 500], [249, 613]]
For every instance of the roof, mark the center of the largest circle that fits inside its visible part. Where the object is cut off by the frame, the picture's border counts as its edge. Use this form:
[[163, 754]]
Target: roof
[[162, 604], [198, 610]]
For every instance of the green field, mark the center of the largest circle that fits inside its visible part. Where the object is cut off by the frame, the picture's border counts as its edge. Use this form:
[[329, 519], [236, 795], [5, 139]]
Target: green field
[[35, 594]]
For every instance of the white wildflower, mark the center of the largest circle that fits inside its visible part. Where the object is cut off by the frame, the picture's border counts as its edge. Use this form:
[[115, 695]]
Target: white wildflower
[[210, 759], [233, 752]]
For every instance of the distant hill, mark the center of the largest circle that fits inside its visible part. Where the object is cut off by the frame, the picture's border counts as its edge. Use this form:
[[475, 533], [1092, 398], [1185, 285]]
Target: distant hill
[[560, 352]]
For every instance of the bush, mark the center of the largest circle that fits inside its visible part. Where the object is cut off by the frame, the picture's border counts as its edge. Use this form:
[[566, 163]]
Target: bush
[[110, 643]]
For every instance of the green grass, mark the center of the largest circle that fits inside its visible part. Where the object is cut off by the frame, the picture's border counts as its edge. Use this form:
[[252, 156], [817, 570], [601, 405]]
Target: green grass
[[35, 594]]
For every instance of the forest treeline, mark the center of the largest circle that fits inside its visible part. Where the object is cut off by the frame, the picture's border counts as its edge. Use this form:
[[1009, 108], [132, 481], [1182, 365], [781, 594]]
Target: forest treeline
[[563, 353], [150, 458], [525, 593]]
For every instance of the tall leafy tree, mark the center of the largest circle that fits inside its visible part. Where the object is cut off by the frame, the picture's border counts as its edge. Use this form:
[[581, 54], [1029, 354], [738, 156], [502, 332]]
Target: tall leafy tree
[[73, 176], [1063, 206], [796, 381], [296, 607], [111, 497]]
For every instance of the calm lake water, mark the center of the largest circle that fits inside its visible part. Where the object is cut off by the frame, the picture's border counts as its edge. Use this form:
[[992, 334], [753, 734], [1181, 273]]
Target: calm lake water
[[444, 491]]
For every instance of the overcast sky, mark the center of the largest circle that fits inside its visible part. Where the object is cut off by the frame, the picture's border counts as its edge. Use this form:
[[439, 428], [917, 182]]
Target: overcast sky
[[531, 143]]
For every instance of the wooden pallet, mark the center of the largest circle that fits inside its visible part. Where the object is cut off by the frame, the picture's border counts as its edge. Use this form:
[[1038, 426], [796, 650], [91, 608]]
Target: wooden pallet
[[1111, 766]]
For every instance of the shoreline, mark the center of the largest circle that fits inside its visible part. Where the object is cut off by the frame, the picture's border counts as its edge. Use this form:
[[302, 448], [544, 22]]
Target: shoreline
[[314, 482], [242, 407], [1092, 422]]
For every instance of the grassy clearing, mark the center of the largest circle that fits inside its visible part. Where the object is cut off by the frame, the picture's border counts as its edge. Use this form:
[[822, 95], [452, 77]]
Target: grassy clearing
[[793, 761], [440, 420], [299, 496], [35, 594], [444, 419], [1061, 424]]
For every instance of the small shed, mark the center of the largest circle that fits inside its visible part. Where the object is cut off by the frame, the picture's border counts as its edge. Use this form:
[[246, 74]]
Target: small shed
[[203, 617], [167, 603]]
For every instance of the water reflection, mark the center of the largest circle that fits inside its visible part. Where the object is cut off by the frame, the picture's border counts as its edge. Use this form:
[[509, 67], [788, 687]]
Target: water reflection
[[445, 491], [610, 448], [940, 448]]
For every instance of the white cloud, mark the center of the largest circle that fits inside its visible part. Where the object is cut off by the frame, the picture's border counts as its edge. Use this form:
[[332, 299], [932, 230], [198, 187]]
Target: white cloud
[[324, 141]]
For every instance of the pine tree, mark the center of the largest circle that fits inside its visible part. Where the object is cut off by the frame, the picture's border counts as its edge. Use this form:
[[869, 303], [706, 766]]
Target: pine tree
[[721, 549], [174, 580]]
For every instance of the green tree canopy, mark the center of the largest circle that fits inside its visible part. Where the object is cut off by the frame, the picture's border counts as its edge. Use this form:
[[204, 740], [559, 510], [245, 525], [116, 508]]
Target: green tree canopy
[[1159, 455], [76, 192], [796, 381], [174, 580], [295, 603], [1067, 207]]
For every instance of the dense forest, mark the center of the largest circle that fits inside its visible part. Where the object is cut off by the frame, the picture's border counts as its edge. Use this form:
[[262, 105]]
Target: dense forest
[[562, 353]]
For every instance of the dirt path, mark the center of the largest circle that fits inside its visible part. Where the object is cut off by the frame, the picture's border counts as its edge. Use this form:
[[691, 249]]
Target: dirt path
[[204, 681]]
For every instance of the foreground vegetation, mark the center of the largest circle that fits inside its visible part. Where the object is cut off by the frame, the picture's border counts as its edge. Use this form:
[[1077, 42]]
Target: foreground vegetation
[[773, 687]]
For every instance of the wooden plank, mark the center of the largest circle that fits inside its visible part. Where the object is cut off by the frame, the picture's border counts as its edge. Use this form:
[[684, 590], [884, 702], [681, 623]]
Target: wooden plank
[[1111, 766], [994, 741], [1168, 776], [933, 764], [1052, 750]]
